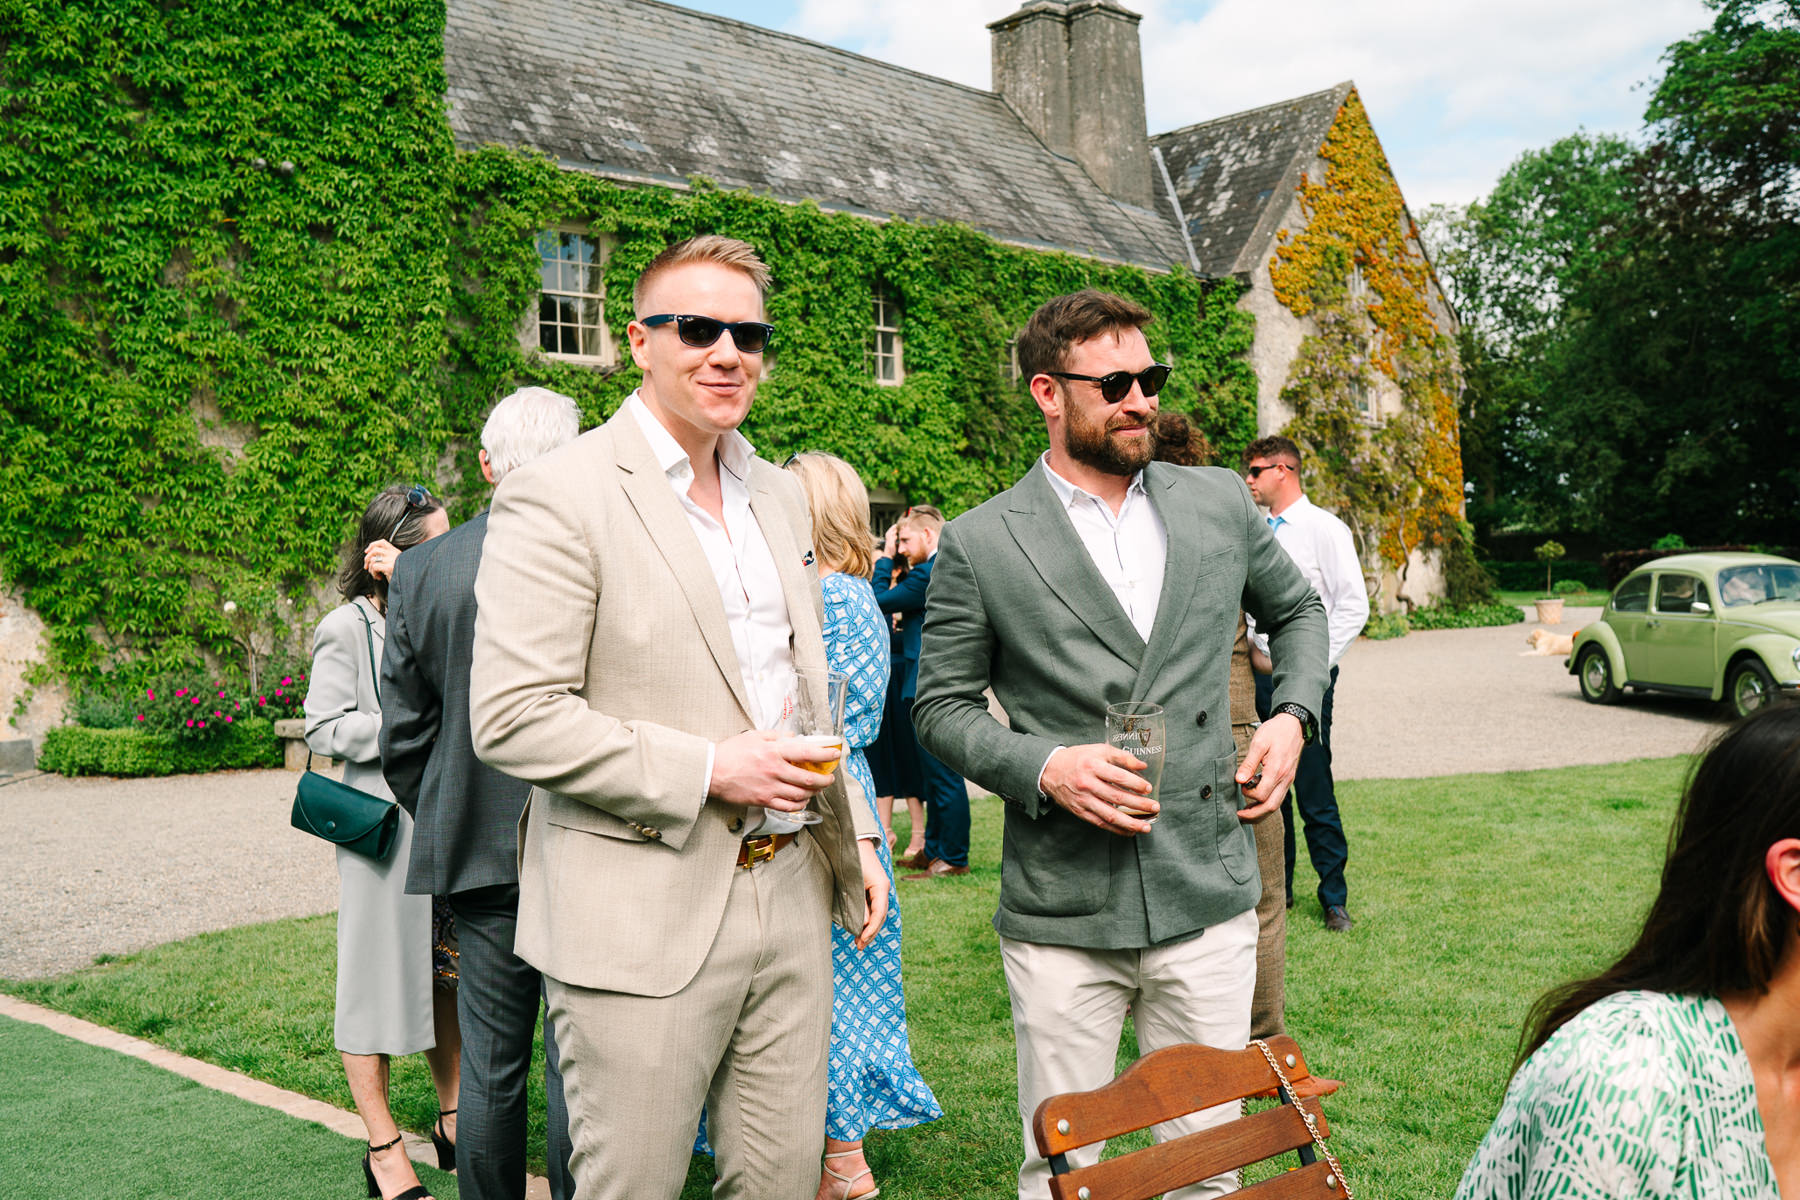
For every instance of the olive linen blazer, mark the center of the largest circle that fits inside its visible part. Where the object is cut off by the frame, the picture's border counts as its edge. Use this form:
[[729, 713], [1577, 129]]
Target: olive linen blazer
[[1017, 605], [603, 671]]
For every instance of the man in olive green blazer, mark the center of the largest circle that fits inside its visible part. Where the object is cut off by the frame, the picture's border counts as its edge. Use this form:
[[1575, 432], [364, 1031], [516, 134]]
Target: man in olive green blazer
[[1103, 577], [645, 598]]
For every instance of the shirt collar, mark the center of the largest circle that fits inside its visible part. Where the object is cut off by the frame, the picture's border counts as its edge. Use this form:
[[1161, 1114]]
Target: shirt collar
[[1293, 512], [1068, 493], [735, 450]]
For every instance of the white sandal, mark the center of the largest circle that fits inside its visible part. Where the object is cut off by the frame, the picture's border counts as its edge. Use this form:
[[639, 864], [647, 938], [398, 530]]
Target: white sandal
[[847, 1180]]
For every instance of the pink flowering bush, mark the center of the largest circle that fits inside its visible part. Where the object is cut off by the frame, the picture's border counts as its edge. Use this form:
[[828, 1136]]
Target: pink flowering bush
[[191, 712]]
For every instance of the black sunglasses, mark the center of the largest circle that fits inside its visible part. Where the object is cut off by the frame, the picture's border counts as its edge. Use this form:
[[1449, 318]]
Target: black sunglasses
[[750, 337], [417, 498], [1116, 385], [1253, 472]]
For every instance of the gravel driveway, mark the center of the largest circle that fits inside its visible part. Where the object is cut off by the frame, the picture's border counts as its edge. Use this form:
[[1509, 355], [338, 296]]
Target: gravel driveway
[[109, 866]]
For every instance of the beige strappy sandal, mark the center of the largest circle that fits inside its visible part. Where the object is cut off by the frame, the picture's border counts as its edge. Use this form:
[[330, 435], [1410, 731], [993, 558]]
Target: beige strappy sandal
[[847, 1180]]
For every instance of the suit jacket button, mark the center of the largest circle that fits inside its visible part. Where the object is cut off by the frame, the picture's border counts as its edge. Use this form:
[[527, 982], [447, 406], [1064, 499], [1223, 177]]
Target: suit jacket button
[[1206, 792], [737, 823], [1201, 719]]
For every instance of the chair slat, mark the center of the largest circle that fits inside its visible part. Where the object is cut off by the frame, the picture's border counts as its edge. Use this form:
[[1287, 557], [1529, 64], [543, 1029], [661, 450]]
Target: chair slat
[[1308, 1183], [1167, 1083], [1168, 1165]]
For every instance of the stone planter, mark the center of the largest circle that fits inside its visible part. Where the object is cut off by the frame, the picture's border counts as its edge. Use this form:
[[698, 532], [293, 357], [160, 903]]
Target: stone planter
[[292, 732], [1549, 610]]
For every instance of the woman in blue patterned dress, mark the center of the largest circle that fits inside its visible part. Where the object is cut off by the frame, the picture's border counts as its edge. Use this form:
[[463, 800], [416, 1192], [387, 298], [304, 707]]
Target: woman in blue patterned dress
[[873, 1082]]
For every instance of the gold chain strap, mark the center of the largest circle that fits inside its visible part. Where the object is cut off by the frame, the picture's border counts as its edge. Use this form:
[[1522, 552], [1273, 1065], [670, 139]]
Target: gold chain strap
[[1312, 1126]]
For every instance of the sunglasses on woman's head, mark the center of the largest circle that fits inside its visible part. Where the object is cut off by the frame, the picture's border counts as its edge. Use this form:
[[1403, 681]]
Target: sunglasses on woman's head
[[417, 499], [750, 337], [1116, 385]]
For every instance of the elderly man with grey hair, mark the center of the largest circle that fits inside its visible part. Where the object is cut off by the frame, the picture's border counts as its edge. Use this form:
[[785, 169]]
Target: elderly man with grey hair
[[466, 815]]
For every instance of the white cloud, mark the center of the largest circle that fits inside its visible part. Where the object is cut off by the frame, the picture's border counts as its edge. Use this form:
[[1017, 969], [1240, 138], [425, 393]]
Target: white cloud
[[1456, 88]]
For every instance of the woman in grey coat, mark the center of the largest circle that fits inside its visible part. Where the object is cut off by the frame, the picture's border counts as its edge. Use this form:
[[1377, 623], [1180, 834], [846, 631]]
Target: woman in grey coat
[[386, 1004]]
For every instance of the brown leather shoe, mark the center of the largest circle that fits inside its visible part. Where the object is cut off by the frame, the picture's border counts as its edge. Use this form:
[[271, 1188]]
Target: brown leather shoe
[[937, 870], [1337, 919], [916, 862]]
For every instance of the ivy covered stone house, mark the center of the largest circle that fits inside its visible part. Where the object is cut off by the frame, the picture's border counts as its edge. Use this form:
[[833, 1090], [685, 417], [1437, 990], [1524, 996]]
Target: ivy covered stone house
[[256, 263]]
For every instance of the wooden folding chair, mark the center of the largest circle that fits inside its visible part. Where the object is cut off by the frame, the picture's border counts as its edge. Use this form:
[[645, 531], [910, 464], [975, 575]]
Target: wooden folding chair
[[1171, 1083]]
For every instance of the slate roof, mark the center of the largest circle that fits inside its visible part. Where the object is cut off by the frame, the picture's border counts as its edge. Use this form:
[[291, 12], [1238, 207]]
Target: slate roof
[[1234, 175], [643, 91]]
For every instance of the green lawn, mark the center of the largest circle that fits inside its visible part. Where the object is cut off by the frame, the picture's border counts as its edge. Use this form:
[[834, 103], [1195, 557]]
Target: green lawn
[[1471, 893], [1526, 598], [82, 1121]]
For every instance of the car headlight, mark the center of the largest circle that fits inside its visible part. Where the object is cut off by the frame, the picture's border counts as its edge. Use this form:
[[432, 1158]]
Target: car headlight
[[1796, 656]]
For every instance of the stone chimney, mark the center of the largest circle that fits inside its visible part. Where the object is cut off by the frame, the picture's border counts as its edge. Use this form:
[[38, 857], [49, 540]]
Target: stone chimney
[[1074, 72]]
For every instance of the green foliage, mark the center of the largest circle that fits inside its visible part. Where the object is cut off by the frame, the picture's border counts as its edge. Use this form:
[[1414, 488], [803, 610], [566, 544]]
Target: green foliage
[[1515, 576], [1547, 553], [1466, 580], [1568, 587], [210, 361], [1635, 310], [1473, 616], [75, 750], [1669, 543], [1383, 626]]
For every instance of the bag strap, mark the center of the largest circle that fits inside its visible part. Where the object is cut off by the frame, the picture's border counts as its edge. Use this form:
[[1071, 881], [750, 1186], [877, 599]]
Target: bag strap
[[1312, 1126], [374, 671]]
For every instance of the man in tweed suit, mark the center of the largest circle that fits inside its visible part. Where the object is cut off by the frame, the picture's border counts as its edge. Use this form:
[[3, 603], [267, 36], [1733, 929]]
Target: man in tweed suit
[[1102, 577], [466, 818], [647, 599]]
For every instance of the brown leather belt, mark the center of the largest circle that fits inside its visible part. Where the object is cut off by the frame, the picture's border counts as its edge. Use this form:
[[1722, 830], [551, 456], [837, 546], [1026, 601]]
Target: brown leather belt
[[762, 849]]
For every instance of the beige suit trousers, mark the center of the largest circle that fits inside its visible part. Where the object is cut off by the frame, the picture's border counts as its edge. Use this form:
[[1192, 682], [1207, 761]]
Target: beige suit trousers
[[747, 1037], [1069, 1007]]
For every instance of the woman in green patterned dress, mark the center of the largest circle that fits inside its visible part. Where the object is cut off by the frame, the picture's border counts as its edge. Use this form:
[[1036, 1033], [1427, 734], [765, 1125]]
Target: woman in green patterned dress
[[1676, 1071]]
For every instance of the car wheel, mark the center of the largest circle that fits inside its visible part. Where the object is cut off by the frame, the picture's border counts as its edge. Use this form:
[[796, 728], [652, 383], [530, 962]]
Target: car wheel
[[1748, 687], [1595, 674]]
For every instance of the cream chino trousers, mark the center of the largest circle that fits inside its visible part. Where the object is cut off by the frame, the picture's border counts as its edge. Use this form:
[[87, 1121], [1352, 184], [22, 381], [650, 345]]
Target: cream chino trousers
[[1069, 1008]]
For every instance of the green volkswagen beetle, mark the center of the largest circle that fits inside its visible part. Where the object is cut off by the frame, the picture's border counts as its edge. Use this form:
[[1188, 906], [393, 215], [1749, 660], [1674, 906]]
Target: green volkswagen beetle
[[1719, 626]]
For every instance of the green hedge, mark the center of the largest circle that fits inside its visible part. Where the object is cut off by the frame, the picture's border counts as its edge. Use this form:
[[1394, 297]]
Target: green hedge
[[1527, 576], [1473, 616], [76, 750]]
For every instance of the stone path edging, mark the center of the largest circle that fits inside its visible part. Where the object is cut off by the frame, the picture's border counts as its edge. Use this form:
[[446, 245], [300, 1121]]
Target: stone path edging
[[347, 1124]]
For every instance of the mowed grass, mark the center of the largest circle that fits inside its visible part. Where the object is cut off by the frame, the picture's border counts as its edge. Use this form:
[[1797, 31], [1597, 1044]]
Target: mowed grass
[[1472, 894], [82, 1121]]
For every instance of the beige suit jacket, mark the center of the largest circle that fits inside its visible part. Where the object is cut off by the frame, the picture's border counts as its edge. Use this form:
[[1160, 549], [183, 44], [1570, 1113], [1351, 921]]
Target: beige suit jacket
[[603, 670]]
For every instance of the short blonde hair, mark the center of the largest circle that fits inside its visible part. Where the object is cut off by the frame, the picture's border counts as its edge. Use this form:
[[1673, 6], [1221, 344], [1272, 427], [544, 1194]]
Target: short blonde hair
[[707, 248], [840, 511]]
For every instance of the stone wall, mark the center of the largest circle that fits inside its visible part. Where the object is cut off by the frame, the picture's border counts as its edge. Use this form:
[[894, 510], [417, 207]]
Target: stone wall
[[27, 711]]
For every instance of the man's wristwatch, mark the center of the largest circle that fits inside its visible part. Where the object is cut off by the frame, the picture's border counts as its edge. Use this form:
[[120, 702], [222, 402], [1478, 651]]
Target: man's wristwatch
[[1309, 728]]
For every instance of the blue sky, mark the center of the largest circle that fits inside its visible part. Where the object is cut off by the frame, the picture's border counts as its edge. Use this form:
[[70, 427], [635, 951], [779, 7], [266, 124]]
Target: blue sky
[[1457, 88]]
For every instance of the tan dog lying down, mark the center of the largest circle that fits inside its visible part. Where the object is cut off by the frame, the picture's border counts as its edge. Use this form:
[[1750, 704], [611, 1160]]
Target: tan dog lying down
[[1542, 641]]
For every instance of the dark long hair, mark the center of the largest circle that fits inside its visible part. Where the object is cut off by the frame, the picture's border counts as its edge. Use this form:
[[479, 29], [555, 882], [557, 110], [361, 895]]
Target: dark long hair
[[378, 520], [1717, 925]]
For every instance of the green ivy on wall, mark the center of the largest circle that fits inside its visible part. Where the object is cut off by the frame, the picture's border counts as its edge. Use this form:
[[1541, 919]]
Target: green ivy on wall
[[246, 280], [1398, 481]]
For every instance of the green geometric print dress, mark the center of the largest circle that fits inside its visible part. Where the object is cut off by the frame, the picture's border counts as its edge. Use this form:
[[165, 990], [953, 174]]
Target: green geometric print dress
[[1642, 1094]]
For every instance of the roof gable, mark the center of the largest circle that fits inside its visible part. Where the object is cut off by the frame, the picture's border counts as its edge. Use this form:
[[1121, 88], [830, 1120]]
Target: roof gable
[[644, 91], [1235, 175]]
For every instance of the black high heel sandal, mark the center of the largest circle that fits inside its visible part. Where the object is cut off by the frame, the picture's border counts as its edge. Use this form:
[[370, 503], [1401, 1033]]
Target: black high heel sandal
[[446, 1149], [411, 1193]]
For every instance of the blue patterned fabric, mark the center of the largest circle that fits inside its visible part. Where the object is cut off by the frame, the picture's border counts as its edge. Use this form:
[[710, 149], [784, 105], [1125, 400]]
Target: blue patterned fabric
[[873, 1083]]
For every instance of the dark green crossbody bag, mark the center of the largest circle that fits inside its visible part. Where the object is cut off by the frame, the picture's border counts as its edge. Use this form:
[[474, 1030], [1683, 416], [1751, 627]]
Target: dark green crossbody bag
[[339, 813]]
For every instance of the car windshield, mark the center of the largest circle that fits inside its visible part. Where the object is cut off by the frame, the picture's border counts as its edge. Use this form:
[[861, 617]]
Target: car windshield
[[1759, 582]]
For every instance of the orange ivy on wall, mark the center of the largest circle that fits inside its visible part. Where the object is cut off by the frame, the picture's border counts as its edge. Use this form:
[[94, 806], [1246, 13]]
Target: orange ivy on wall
[[1398, 482]]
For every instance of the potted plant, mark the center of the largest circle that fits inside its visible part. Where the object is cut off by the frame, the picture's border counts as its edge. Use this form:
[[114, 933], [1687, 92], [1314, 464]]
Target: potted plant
[[1549, 605]]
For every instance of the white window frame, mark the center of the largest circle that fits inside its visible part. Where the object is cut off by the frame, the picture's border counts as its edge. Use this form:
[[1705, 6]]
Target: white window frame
[[531, 328], [886, 346]]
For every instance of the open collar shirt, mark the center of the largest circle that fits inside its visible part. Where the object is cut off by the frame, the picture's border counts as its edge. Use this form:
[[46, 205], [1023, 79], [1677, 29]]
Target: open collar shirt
[[1324, 550], [744, 570], [1129, 548]]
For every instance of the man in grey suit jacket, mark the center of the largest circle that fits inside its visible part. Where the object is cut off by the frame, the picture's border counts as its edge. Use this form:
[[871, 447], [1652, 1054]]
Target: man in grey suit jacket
[[647, 606], [1102, 577], [466, 817]]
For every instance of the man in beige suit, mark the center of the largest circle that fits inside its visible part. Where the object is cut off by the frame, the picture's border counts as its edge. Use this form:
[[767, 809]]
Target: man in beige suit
[[644, 601]]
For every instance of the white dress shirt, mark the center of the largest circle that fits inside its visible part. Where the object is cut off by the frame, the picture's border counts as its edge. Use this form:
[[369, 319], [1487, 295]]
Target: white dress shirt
[[1130, 549], [744, 569], [1322, 547]]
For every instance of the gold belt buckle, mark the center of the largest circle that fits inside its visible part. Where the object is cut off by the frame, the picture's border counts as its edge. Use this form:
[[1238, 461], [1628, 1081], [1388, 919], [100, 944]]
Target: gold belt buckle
[[758, 849]]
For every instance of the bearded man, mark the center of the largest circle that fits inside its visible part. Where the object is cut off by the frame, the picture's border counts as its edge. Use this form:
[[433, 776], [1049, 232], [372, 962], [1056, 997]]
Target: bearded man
[[1103, 577]]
